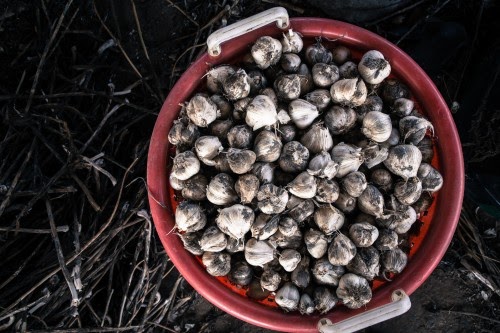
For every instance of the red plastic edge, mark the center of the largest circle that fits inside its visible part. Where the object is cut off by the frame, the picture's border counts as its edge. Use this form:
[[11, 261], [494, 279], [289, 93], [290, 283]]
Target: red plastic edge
[[448, 206]]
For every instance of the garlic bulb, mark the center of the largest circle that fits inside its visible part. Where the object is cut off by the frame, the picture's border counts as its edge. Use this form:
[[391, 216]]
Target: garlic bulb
[[236, 86], [235, 221], [290, 62], [348, 70], [431, 178], [258, 82], [371, 201], [191, 242], [306, 305], [322, 166], [363, 234], [354, 183], [220, 128], [382, 179], [302, 113], [392, 89], [324, 75], [326, 274], [269, 92], [272, 199], [345, 202], [373, 67], [287, 297], [303, 186], [377, 126], [223, 105], [258, 253], [299, 209], [404, 161], [175, 183], [350, 92], [241, 273], [408, 192], [426, 148], [240, 108], [413, 129], [324, 299], [328, 219], [287, 242], [260, 112], [327, 191], [402, 107], [213, 240], [267, 146], [266, 51], [240, 160], [316, 243], [217, 263], [341, 250], [301, 275], [287, 133], [183, 133], [374, 154], [317, 139], [393, 140], [287, 87], [220, 190], [317, 53], [234, 245], [270, 280], [283, 117], [291, 42], [354, 291], [264, 226], [195, 188], [240, 136], [294, 157], [320, 98], [289, 259], [372, 103], [340, 119], [387, 240], [306, 81], [185, 165], [264, 172], [340, 54], [349, 158], [287, 226], [400, 221], [394, 261], [366, 263], [247, 187], [207, 147], [221, 162], [217, 75], [201, 110]]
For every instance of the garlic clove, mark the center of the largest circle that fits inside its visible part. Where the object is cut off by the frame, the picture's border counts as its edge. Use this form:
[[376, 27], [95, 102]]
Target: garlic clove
[[289, 259], [371, 201], [431, 178], [185, 165], [217, 263], [363, 234], [341, 250], [413, 129], [213, 240], [220, 190], [354, 183], [288, 297], [272, 199], [291, 42], [366, 263], [327, 191], [350, 92], [235, 221], [408, 192], [328, 219], [324, 75], [320, 98], [354, 291], [195, 188], [302, 113], [261, 112], [340, 119], [266, 51], [201, 110], [258, 253], [267, 146], [377, 126], [324, 299], [247, 187], [287, 87], [316, 243], [373, 67], [402, 107], [317, 139], [240, 160], [303, 186], [294, 157], [404, 161], [183, 133]]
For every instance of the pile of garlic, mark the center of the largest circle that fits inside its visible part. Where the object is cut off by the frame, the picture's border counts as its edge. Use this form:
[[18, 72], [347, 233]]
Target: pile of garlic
[[301, 173]]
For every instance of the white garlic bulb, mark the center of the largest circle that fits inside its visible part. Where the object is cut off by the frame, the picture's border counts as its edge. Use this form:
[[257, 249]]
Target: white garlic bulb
[[264, 172], [272, 199], [261, 112], [289, 259], [302, 113], [267, 146], [240, 160], [191, 242], [341, 250], [303, 186], [213, 240], [240, 136], [185, 165], [201, 110], [291, 42], [247, 187], [371, 201], [316, 243], [363, 234], [195, 188], [207, 147], [220, 190], [400, 221], [408, 192], [235, 221], [327, 191], [290, 62], [402, 107], [175, 183], [374, 154], [324, 299], [340, 119], [354, 183], [258, 253], [340, 54], [377, 126], [354, 291], [322, 166], [320, 98], [328, 219], [413, 129], [294, 157], [317, 53], [287, 87], [431, 178], [189, 217], [350, 92], [404, 161], [326, 274], [183, 133], [324, 75], [237, 85], [373, 67], [217, 75], [266, 51], [217, 263], [366, 263], [288, 297], [394, 261], [270, 280], [348, 157], [317, 139], [348, 70]]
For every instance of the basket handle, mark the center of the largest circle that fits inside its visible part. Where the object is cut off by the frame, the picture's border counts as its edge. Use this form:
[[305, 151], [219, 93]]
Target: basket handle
[[399, 305], [278, 14]]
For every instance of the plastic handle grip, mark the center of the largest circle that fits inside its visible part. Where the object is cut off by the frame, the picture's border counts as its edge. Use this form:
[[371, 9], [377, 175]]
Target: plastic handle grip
[[399, 305], [278, 14]]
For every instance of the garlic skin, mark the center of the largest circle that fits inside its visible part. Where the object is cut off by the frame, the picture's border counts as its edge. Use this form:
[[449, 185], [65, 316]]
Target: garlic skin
[[348, 157], [408, 192], [413, 129], [287, 87], [399, 221], [264, 226], [322, 166], [261, 112], [363, 234], [317, 53], [377, 126], [185, 165], [341, 250], [258, 253], [266, 51], [350, 92], [291, 42], [217, 263], [290, 62], [195, 188], [289, 259], [270, 280], [175, 183], [371, 201], [189, 217], [324, 299], [283, 117], [294, 157], [234, 245], [354, 183], [267, 146], [348, 70], [183, 133], [235, 221], [404, 161], [340, 120], [220, 190], [216, 76], [320, 98], [264, 172], [191, 242], [302, 113], [288, 297], [327, 191], [240, 136], [303, 186], [402, 107], [354, 291], [394, 261], [306, 305], [431, 179], [373, 67], [366, 263], [207, 147], [241, 273], [236, 86], [201, 110], [316, 243], [317, 139], [213, 240], [328, 219], [324, 75], [374, 154], [272, 199], [345, 202], [247, 187], [326, 274]]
